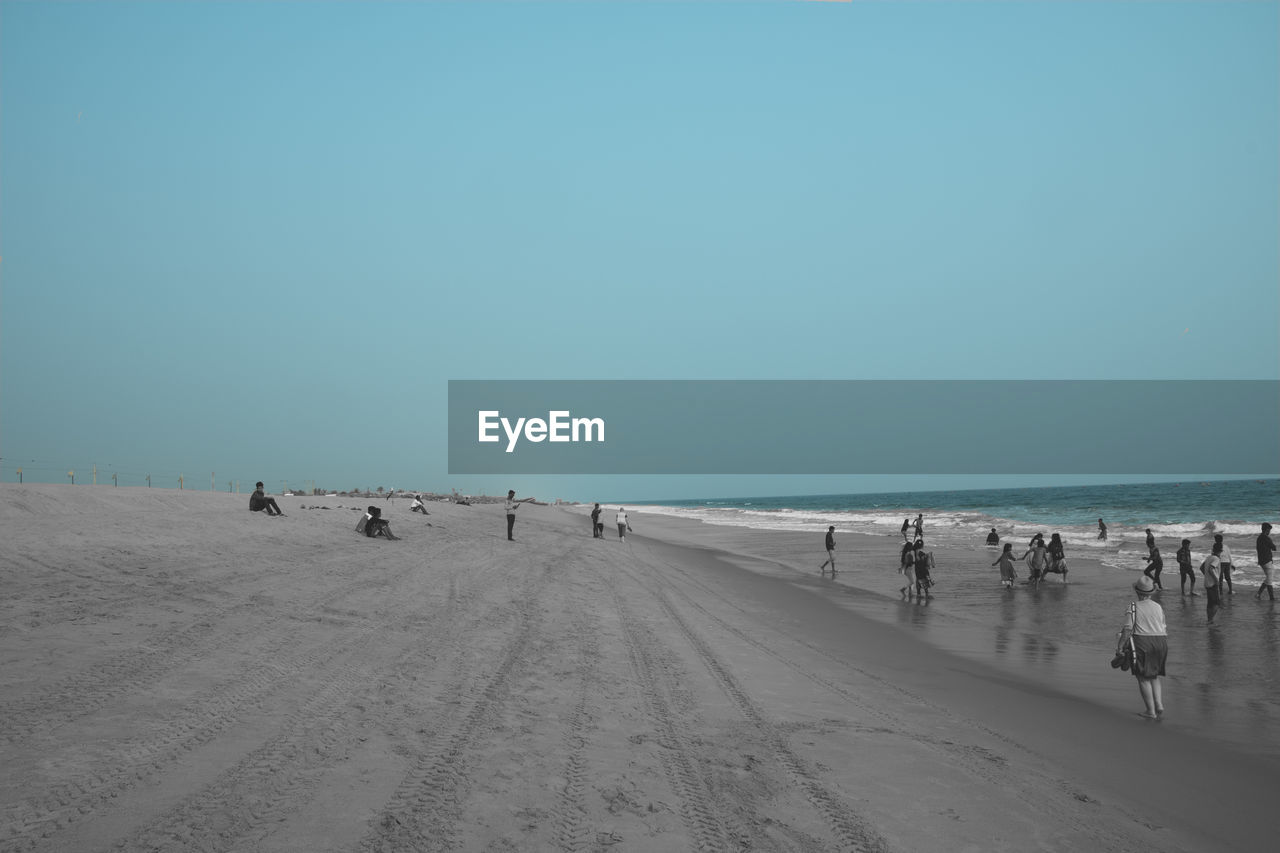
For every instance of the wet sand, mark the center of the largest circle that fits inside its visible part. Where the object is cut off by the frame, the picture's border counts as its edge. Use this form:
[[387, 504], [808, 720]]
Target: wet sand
[[1224, 679], [177, 673]]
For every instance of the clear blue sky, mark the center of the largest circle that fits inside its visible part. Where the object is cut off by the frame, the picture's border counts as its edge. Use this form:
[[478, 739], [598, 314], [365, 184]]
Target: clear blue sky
[[258, 239]]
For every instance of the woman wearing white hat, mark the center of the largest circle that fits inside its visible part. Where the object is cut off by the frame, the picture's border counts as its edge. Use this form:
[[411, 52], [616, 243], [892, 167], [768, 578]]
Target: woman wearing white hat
[[1144, 622]]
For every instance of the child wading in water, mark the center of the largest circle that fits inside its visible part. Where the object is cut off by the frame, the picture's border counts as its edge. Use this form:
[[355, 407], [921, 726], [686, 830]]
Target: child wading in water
[[1007, 573]]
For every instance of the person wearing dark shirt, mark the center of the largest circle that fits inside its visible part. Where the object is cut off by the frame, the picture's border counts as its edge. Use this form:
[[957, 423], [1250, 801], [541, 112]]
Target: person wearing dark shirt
[[1057, 557], [831, 552], [1155, 565], [1185, 570], [596, 526], [1102, 531], [259, 502], [1151, 539], [1266, 555], [993, 538]]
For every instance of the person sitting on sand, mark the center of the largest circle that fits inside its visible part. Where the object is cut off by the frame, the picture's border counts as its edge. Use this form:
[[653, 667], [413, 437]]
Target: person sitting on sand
[[1185, 571], [418, 505], [1005, 561], [259, 502], [376, 525], [924, 570], [1144, 623], [993, 538], [831, 552]]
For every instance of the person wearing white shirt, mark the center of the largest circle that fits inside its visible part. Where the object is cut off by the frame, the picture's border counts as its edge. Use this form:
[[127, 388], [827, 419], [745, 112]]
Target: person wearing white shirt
[[623, 526], [512, 506]]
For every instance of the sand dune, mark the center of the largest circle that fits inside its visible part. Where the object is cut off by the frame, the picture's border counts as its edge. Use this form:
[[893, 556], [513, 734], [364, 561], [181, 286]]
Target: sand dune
[[177, 673]]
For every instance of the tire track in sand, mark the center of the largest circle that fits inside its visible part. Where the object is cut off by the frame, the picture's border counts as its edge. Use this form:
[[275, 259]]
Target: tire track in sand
[[570, 810], [978, 762], [130, 671], [697, 810], [425, 808], [853, 831]]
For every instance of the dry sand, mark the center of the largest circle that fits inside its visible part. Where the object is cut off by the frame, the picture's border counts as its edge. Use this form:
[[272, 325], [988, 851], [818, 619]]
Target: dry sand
[[177, 673]]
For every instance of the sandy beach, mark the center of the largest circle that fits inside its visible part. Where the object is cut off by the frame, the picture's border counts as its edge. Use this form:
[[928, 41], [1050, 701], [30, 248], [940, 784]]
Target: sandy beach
[[177, 673]]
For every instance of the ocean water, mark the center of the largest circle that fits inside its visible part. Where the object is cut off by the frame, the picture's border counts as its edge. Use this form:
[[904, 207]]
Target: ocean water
[[1223, 678], [1173, 511]]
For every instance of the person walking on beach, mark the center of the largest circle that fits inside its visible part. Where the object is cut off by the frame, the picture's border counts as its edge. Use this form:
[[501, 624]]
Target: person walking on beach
[[1155, 565], [1102, 530], [596, 527], [924, 568], [1185, 571], [831, 552], [623, 527], [920, 526], [908, 569], [512, 506], [1266, 554], [1145, 625], [906, 525], [1227, 566], [259, 502], [1211, 568], [1005, 561]]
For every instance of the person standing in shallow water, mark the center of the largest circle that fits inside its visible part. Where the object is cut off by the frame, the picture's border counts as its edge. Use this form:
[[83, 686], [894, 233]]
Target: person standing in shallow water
[[1185, 572], [1266, 554], [1155, 565], [1212, 568], [1144, 623], [1102, 531], [1225, 559], [924, 570], [831, 552], [1005, 561]]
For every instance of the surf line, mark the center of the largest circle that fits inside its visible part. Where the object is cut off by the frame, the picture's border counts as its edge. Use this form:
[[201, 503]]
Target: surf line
[[559, 425]]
